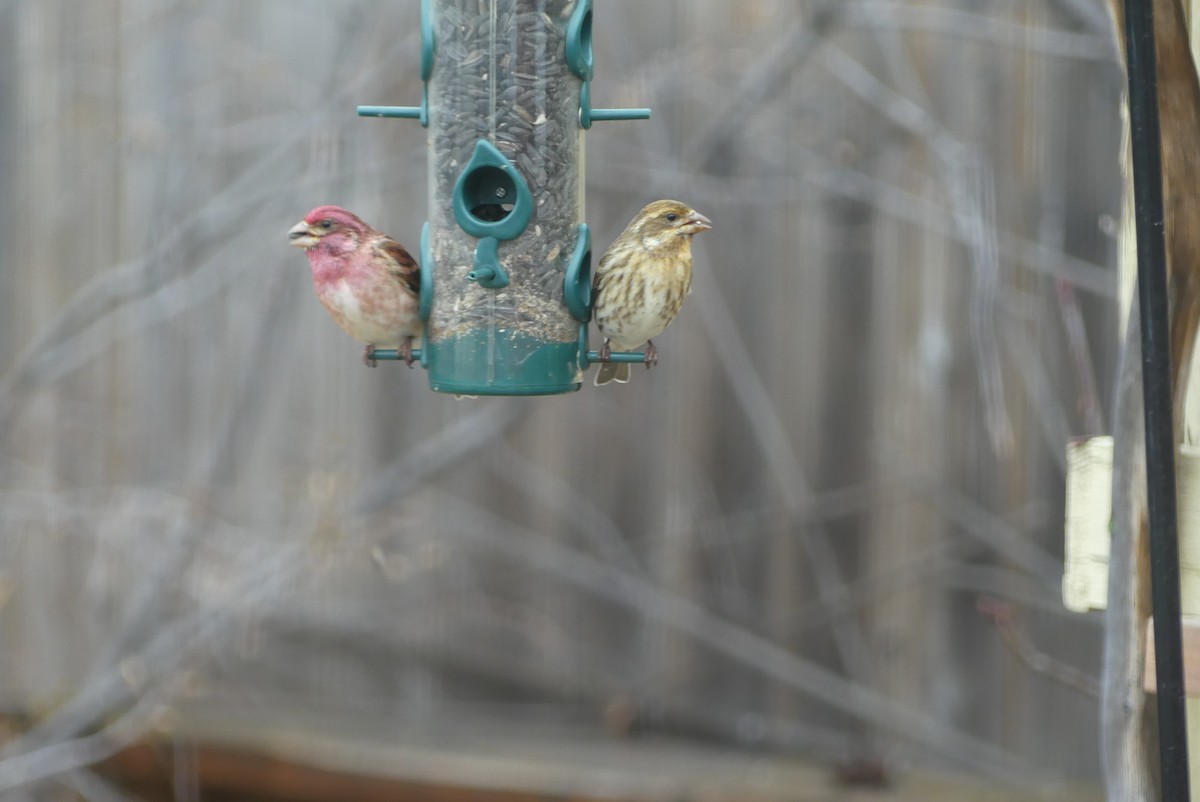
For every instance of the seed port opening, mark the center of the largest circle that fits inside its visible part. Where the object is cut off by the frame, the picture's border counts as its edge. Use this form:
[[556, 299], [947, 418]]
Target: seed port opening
[[491, 212], [485, 189], [491, 198]]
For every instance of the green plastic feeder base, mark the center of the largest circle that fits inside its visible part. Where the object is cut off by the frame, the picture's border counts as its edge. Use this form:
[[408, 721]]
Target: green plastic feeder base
[[503, 363]]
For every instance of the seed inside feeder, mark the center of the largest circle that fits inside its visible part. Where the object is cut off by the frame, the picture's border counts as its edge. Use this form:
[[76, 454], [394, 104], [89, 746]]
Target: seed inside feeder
[[500, 74]]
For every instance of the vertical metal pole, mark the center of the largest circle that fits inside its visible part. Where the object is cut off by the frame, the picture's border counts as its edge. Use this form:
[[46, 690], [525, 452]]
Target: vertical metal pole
[[1156, 387]]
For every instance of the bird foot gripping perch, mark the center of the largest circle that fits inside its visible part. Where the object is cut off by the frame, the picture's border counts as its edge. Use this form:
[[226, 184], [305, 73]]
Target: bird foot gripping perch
[[651, 355], [606, 354], [405, 353]]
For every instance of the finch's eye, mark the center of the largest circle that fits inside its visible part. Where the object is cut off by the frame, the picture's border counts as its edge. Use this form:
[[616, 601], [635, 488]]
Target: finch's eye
[[327, 224], [672, 217]]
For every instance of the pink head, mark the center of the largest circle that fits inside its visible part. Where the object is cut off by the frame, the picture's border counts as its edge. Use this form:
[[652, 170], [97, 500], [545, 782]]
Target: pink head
[[328, 230]]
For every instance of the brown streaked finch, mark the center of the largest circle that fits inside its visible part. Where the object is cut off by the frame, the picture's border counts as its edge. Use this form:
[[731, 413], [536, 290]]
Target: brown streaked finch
[[363, 277], [641, 282]]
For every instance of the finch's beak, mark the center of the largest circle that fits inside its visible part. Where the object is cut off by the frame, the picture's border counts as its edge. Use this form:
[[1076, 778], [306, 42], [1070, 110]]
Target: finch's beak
[[697, 222], [301, 235]]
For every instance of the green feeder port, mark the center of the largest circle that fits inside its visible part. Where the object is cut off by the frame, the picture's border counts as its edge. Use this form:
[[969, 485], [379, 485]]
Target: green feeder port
[[506, 258], [580, 57], [491, 199]]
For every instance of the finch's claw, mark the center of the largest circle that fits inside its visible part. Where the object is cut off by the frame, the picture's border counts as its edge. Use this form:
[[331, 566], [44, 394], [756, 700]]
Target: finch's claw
[[406, 352], [369, 356], [605, 352], [651, 357]]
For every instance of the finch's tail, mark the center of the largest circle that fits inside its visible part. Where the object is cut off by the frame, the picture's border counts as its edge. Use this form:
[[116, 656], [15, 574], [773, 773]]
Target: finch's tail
[[612, 372]]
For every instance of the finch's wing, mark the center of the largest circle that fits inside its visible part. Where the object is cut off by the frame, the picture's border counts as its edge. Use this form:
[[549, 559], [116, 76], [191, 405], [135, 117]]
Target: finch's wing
[[400, 263], [604, 268]]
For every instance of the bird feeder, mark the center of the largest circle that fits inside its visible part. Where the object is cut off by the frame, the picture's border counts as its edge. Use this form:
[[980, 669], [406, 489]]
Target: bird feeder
[[505, 253]]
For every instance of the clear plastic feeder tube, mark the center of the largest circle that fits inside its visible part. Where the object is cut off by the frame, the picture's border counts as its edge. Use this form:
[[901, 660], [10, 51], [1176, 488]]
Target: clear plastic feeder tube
[[500, 77]]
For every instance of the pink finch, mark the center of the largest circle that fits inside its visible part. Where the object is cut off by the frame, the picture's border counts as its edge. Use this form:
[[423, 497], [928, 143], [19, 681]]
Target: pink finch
[[642, 280], [366, 280]]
